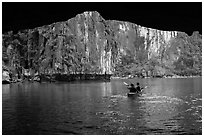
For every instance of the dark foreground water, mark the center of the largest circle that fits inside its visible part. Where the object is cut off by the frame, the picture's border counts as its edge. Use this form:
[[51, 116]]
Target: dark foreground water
[[167, 106]]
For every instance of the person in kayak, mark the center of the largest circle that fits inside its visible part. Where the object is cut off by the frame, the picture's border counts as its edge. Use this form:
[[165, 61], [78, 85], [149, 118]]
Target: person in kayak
[[132, 88], [138, 89]]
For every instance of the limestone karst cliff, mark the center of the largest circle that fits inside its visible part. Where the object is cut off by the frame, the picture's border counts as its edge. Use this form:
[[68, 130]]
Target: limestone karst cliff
[[90, 44]]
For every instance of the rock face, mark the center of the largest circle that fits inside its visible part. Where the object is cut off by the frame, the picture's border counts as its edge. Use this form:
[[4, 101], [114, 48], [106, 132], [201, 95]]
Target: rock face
[[89, 44], [5, 76]]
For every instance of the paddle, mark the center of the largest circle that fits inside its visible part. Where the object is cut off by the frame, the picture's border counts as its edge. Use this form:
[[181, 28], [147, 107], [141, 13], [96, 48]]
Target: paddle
[[126, 84], [144, 87]]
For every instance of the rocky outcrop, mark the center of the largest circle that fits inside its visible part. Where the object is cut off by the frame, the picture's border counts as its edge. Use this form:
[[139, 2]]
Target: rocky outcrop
[[5, 75], [88, 44]]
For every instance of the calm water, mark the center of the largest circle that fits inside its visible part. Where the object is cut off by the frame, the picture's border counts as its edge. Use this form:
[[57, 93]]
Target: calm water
[[167, 106]]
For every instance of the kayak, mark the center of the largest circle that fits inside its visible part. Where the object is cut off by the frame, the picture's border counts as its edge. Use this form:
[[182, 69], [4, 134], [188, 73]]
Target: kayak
[[132, 94]]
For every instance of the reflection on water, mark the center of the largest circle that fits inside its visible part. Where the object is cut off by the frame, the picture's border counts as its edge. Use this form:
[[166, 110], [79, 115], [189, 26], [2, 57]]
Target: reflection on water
[[106, 89], [167, 106]]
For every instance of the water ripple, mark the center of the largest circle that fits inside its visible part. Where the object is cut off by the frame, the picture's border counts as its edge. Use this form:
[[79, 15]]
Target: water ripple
[[162, 99]]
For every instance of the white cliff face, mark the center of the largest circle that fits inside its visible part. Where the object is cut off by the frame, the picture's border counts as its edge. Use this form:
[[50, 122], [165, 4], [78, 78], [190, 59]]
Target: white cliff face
[[157, 38], [124, 27], [96, 41], [124, 35], [78, 30], [105, 61]]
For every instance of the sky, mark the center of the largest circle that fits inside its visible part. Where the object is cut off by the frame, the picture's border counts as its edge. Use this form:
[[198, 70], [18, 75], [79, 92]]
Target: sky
[[185, 17]]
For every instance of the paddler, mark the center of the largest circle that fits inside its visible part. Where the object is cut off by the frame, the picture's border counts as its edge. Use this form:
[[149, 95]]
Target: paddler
[[132, 88], [138, 89]]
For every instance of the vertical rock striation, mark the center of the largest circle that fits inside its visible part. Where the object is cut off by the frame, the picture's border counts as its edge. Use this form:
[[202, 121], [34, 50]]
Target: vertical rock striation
[[89, 44]]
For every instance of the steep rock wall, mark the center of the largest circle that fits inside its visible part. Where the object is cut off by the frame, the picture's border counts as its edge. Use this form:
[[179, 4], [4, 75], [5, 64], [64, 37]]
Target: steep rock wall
[[89, 44]]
